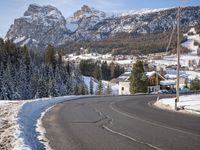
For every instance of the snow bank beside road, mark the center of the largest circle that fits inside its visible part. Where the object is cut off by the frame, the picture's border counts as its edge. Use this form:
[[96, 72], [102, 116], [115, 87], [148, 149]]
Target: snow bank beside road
[[189, 103], [20, 123], [8, 123], [28, 118]]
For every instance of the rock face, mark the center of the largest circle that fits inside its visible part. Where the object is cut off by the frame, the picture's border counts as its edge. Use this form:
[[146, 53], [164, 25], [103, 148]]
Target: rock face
[[83, 24], [39, 27], [43, 25]]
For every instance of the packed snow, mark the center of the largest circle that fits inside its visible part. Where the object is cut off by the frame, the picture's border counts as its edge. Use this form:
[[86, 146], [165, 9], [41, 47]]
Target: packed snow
[[8, 124], [20, 122], [189, 103]]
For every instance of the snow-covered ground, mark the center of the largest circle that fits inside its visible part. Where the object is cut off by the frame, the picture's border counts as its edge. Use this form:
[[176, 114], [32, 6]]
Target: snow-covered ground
[[95, 56], [114, 87], [8, 123], [190, 103], [185, 58], [20, 123]]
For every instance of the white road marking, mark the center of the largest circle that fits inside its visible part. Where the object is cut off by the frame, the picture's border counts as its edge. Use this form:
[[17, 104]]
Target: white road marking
[[130, 138], [110, 122], [149, 122]]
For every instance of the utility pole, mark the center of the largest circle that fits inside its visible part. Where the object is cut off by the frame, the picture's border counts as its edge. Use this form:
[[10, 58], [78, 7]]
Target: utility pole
[[157, 84], [178, 58]]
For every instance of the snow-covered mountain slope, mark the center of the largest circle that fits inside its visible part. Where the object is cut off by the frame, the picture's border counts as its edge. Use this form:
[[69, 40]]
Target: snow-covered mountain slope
[[43, 25], [186, 60], [143, 11], [40, 26], [192, 37]]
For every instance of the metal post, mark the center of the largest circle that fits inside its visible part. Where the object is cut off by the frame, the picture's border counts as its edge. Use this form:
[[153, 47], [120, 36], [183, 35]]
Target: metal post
[[178, 57]]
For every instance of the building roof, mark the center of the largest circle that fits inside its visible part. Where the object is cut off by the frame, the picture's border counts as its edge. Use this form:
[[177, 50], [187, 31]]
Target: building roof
[[152, 73], [174, 76], [124, 77], [167, 82]]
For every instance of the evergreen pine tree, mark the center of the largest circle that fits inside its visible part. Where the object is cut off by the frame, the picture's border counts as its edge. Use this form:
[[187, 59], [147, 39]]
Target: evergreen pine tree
[[60, 54], [50, 56], [99, 88], [105, 71], [42, 89], [76, 90], [195, 84], [138, 79], [112, 70], [108, 89], [83, 90], [52, 89], [91, 87], [7, 84], [97, 72]]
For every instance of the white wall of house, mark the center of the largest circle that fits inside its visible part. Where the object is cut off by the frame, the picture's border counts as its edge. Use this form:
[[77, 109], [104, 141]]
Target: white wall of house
[[151, 89], [124, 88]]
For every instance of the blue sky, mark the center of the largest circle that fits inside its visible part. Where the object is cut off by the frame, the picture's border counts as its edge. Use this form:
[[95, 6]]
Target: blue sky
[[11, 9]]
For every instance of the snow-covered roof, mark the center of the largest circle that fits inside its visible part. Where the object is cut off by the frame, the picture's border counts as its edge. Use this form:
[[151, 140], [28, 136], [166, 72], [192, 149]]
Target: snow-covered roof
[[150, 74], [167, 82], [124, 77], [174, 76]]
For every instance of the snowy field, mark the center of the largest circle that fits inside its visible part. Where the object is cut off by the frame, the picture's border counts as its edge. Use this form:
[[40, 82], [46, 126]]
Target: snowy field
[[190, 103], [20, 123]]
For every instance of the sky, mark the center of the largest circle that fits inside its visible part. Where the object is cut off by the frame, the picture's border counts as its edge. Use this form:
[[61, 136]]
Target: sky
[[11, 9]]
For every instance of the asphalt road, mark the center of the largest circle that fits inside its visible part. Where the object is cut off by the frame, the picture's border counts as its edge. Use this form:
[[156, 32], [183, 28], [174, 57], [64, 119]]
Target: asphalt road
[[120, 123]]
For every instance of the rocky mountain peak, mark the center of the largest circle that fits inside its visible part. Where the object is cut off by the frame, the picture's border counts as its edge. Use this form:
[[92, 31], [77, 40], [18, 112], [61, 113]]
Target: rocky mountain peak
[[49, 11], [32, 9], [87, 11], [86, 8], [40, 26]]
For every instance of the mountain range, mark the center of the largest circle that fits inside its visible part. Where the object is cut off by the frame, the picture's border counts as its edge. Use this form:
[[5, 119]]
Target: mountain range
[[43, 25]]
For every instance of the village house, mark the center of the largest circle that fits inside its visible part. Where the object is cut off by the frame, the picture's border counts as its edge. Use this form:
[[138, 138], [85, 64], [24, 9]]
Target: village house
[[154, 80]]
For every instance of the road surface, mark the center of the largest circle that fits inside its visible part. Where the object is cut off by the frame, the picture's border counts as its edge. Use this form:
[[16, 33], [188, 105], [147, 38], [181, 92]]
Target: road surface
[[119, 123]]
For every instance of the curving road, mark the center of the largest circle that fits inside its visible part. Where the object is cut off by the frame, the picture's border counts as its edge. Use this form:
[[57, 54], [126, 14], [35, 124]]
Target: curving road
[[119, 123]]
